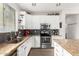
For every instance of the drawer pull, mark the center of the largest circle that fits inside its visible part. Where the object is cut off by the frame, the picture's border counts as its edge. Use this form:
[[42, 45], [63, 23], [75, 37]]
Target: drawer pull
[[25, 48]]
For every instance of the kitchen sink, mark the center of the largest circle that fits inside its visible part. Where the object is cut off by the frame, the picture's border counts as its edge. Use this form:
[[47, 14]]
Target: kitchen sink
[[15, 40]]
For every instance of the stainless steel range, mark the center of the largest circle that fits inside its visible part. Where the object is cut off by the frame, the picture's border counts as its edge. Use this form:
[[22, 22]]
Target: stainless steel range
[[45, 35]]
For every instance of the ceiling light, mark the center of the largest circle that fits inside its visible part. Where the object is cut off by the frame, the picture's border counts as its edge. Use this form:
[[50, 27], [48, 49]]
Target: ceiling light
[[33, 4], [58, 4]]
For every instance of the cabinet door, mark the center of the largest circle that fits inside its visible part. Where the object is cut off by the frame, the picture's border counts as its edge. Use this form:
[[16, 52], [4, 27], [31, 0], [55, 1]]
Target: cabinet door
[[36, 22], [65, 53], [52, 43], [1, 17], [54, 20], [28, 46], [33, 44], [20, 50], [36, 41], [9, 18], [58, 50], [28, 22]]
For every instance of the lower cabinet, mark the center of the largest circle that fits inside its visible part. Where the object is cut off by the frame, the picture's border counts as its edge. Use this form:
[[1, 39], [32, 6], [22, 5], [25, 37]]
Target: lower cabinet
[[52, 42], [36, 42], [59, 51], [24, 49], [66, 53], [32, 42]]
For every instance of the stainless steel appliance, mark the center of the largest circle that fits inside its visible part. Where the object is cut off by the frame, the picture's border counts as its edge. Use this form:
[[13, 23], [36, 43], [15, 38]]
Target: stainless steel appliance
[[45, 36]]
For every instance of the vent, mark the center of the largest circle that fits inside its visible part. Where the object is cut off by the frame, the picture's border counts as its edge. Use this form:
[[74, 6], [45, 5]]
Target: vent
[[54, 14]]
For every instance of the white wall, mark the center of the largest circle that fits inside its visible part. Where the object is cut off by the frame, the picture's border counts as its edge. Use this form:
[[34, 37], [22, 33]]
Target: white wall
[[77, 29], [71, 21], [63, 19]]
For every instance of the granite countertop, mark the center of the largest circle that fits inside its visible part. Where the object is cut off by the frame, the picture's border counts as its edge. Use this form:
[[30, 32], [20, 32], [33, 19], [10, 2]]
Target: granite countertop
[[6, 49], [70, 45]]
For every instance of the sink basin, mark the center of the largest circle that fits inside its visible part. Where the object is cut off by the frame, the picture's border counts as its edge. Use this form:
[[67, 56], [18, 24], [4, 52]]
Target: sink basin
[[15, 40]]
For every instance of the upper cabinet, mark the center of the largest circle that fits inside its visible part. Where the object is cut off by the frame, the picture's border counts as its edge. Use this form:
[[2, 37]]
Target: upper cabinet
[[21, 20], [52, 20], [29, 22], [9, 18], [35, 22], [25, 20], [1, 17]]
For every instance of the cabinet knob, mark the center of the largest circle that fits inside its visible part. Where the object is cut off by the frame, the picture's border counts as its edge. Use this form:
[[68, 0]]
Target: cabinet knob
[[25, 48]]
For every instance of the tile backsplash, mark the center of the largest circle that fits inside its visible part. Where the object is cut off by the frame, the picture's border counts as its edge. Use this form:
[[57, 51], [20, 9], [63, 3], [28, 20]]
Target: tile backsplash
[[4, 37]]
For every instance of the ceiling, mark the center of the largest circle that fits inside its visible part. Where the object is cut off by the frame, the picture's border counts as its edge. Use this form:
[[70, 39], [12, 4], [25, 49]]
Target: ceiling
[[46, 7]]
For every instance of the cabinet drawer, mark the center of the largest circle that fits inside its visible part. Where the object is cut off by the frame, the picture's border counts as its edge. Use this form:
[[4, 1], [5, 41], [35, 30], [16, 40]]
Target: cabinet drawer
[[58, 52], [58, 47]]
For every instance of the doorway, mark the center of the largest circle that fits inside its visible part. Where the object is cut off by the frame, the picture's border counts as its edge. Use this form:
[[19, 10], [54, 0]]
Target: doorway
[[71, 26]]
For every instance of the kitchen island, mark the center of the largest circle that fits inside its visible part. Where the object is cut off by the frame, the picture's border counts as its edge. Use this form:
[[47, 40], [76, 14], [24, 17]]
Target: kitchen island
[[66, 47]]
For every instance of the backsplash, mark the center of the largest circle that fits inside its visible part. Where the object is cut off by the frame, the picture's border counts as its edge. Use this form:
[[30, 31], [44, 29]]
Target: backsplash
[[4, 37], [35, 32], [55, 32]]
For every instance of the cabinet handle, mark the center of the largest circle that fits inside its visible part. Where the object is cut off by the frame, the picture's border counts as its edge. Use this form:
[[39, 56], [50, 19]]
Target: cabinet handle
[[25, 48], [57, 50]]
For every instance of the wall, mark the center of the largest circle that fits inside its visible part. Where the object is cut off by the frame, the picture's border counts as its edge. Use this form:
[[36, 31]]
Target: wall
[[71, 21], [77, 31], [63, 20]]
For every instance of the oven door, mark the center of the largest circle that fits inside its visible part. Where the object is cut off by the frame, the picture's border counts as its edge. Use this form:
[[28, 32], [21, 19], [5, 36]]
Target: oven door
[[45, 42], [45, 39]]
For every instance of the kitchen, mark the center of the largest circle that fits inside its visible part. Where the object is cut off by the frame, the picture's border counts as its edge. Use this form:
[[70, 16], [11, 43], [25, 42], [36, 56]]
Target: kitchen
[[39, 29]]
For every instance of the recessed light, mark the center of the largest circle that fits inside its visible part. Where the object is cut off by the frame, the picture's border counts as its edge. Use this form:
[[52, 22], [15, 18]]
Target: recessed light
[[33, 4], [58, 4]]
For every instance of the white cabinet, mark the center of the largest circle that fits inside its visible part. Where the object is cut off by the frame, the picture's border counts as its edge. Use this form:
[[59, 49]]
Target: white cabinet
[[52, 20], [1, 17], [36, 42], [57, 50], [24, 49], [22, 18], [21, 50], [28, 22], [66, 53], [35, 22], [52, 43]]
